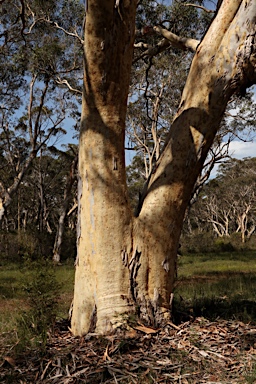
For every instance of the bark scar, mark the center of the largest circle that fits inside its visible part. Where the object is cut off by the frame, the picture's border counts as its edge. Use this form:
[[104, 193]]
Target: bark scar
[[114, 163], [134, 266], [124, 256], [165, 265]]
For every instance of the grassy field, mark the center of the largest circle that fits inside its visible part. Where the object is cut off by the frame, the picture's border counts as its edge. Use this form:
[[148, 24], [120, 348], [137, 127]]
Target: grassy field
[[216, 285], [14, 296], [211, 285]]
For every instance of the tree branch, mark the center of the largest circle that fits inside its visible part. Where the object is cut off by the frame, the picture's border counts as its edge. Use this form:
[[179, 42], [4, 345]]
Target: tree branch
[[65, 82], [30, 107], [199, 6], [142, 45], [176, 41], [153, 51], [73, 34], [170, 40]]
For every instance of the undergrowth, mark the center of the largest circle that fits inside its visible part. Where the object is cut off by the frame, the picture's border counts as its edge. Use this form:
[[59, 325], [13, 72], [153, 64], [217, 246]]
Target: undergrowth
[[41, 292]]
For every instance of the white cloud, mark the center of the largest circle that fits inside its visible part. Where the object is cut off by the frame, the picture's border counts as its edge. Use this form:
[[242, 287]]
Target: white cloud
[[240, 149]]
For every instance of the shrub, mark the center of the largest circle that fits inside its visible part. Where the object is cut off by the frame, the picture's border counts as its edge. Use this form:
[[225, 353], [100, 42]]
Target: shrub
[[224, 245]]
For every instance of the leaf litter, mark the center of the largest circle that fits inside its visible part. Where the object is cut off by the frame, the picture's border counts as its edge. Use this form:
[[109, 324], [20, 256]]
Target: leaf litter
[[196, 351]]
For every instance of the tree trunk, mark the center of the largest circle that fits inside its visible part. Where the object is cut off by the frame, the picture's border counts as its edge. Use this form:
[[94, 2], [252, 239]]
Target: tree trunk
[[63, 212], [7, 193], [5, 200], [104, 218], [126, 264]]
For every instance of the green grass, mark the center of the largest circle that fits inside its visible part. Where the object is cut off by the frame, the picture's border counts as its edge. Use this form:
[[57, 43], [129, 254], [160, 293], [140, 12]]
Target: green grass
[[211, 285], [13, 296], [216, 285], [199, 264]]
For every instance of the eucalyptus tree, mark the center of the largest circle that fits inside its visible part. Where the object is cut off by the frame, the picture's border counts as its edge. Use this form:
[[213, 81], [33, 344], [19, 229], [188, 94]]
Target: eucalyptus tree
[[40, 62], [70, 181], [36, 208], [125, 263], [40, 194], [227, 204], [237, 178]]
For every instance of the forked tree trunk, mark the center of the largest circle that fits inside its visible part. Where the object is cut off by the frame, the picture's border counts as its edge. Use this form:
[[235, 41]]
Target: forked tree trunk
[[126, 264]]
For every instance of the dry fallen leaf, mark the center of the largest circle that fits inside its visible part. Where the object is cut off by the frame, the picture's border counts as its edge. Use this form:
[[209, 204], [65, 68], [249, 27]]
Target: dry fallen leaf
[[106, 356], [131, 334], [10, 360], [148, 331]]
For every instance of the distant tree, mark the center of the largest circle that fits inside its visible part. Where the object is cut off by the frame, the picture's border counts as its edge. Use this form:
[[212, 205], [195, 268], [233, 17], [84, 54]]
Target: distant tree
[[239, 178], [228, 203], [136, 178], [40, 64], [71, 178]]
